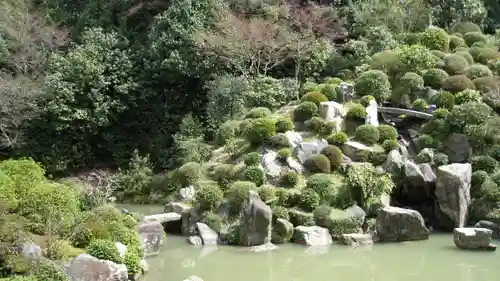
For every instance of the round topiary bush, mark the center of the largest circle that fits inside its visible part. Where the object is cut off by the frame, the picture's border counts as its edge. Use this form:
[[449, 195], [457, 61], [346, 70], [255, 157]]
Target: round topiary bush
[[323, 185], [387, 132], [426, 141], [439, 54], [435, 39], [474, 37], [375, 83], [260, 130], [367, 134], [337, 139], [434, 78], [444, 100], [189, 173], [308, 87], [414, 58], [252, 159], [322, 216], [284, 153], [468, 96], [465, 54], [441, 113], [280, 212], [318, 164], [209, 196], [290, 179], [477, 70], [258, 112], [455, 64], [411, 82], [389, 145], [486, 84], [309, 200], [334, 154], [484, 163], [465, 27], [356, 112], [471, 113], [267, 193], [384, 61], [456, 42], [315, 97], [458, 83], [305, 111], [484, 55], [330, 91], [478, 178], [278, 141], [419, 105], [284, 124], [104, 250], [254, 174], [316, 124]]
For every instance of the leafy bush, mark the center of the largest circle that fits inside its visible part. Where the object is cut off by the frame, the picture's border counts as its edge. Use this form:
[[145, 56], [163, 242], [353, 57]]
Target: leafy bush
[[252, 159], [209, 196], [473, 37], [384, 61], [223, 174], [411, 82], [468, 96], [324, 185], [387, 132], [258, 112], [477, 70], [25, 173], [390, 144], [334, 155], [337, 139], [455, 64], [367, 183], [375, 83], [308, 87], [104, 250], [322, 216], [435, 39], [456, 42], [213, 220], [280, 212], [318, 164], [316, 124], [238, 193], [477, 179], [484, 55], [419, 105], [367, 134], [284, 153], [227, 131], [486, 84], [414, 58], [333, 81], [132, 261], [471, 113], [330, 91], [465, 54], [61, 250], [305, 111], [458, 83], [309, 200], [439, 54], [441, 159], [260, 130], [267, 193], [284, 124], [48, 270], [315, 97], [278, 141], [434, 78], [441, 113], [290, 179], [365, 100], [189, 173], [484, 163], [426, 141], [465, 27], [356, 112], [8, 198], [444, 100], [254, 174]]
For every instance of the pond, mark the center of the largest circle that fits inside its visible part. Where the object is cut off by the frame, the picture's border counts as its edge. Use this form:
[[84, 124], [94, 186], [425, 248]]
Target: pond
[[435, 259]]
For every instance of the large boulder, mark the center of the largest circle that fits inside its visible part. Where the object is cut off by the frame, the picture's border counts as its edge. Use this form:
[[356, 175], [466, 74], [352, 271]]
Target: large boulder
[[152, 236], [312, 236], [398, 224], [491, 226], [208, 235], [419, 181], [307, 149], [31, 251], [394, 164], [458, 148], [255, 222], [85, 267], [453, 192], [471, 238], [271, 165]]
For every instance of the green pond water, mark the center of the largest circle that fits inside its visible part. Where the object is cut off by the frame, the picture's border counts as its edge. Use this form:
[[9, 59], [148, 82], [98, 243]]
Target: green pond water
[[435, 259]]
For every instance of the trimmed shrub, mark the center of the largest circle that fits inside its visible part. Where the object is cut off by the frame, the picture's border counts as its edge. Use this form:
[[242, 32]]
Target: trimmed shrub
[[323, 185], [334, 154], [322, 216], [477, 70], [337, 139], [484, 55], [227, 131], [435, 39], [280, 212], [209, 196], [25, 173], [411, 83], [477, 179], [252, 159], [434, 78], [316, 124], [309, 200], [465, 54], [472, 113], [328, 128], [384, 61], [356, 112], [254, 174], [387, 132], [375, 83], [439, 54], [258, 112], [419, 105], [465, 27], [189, 173], [318, 164], [284, 124], [104, 250], [260, 130], [458, 83], [284, 153], [315, 97], [305, 111], [367, 134], [456, 42], [414, 58], [426, 141], [455, 64], [278, 141], [484, 163], [474, 37], [290, 179], [468, 96], [444, 100], [132, 261], [308, 87], [330, 91], [333, 81], [390, 145], [365, 100], [267, 193], [486, 84]]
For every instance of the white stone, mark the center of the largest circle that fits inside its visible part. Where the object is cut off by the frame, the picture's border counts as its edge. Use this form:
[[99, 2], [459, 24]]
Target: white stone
[[372, 113], [473, 238], [122, 249], [294, 138], [333, 112]]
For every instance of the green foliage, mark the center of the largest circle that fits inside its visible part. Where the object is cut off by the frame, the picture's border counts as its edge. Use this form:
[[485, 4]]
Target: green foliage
[[434, 78], [483, 54], [260, 130], [48, 270], [387, 132], [435, 39], [324, 185], [238, 192], [337, 139], [477, 179], [258, 112], [464, 27], [315, 97], [367, 182], [457, 83], [135, 180], [477, 70], [486, 84], [267, 193], [356, 112], [468, 96], [104, 250], [484, 163], [379, 38], [441, 113], [209, 196], [414, 58], [472, 113], [278, 141], [8, 196], [25, 173], [444, 100], [284, 153], [334, 155], [213, 220], [290, 179], [468, 57], [254, 174], [309, 200], [284, 124], [426, 141], [189, 173], [390, 144], [384, 61], [473, 37], [330, 91], [267, 92], [132, 261], [280, 212], [322, 215], [367, 134], [316, 124], [365, 100], [308, 87], [455, 64], [456, 42], [305, 111], [318, 164], [252, 159], [419, 105], [375, 83]]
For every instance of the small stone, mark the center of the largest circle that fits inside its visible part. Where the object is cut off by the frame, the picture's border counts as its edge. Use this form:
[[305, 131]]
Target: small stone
[[357, 239], [195, 240]]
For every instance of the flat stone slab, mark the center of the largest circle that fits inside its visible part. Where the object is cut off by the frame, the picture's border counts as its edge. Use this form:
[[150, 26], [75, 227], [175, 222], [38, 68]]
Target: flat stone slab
[[472, 238], [357, 239], [163, 218]]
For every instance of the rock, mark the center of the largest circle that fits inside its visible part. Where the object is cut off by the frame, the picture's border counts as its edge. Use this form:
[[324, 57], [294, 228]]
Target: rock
[[263, 248], [193, 278], [312, 236], [163, 218], [357, 212], [195, 240], [398, 224], [122, 249], [428, 154], [357, 239], [458, 148], [294, 165], [85, 267], [187, 194], [491, 226], [152, 236], [271, 165], [31, 251], [189, 220], [176, 207], [394, 163], [294, 138], [453, 191], [372, 113], [470, 238], [418, 182], [208, 235], [333, 112], [351, 148], [255, 222], [306, 149], [282, 231]]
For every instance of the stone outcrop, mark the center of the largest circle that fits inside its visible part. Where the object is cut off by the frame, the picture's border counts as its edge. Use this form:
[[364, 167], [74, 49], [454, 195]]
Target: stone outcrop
[[312, 236], [152, 236], [458, 148], [271, 165], [255, 222], [85, 267], [453, 192], [307, 149], [208, 235], [398, 224], [491, 226], [470, 238]]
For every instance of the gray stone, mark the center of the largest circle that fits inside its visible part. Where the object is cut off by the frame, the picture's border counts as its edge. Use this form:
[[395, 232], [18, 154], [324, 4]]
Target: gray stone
[[312, 236], [163, 218], [294, 165], [187, 194], [458, 148], [394, 163], [176, 207], [398, 224], [263, 248], [333, 112], [31, 251], [453, 191], [122, 249], [307, 149], [427, 153], [357, 239], [357, 212], [470, 238], [282, 231], [352, 148], [85, 267], [208, 235], [294, 138], [152, 236], [195, 240], [189, 220], [255, 222], [491, 226], [271, 165]]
